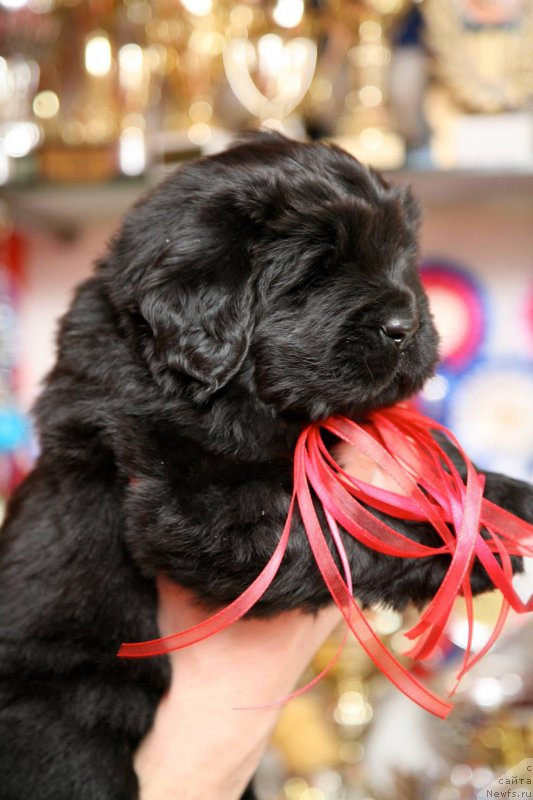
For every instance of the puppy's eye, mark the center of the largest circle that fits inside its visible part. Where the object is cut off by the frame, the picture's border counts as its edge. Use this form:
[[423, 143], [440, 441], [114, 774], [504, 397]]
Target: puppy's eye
[[312, 280]]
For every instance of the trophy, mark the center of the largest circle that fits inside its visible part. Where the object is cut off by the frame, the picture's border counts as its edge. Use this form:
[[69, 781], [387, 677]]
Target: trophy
[[479, 105], [268, 66], [365, 128]]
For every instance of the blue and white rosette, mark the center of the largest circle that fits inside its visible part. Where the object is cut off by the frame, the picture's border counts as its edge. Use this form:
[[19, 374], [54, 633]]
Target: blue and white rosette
[[491, 412]]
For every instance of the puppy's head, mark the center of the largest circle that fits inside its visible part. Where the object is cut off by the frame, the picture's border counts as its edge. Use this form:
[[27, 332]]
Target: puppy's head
[[290, 263]]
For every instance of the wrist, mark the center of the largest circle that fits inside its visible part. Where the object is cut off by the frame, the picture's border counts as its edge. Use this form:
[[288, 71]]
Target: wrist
[[200, 748]]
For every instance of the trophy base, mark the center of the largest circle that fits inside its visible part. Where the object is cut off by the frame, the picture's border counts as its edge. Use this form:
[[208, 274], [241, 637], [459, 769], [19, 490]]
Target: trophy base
[[382, 149], [479, 141], [498, 141], [76, 164]]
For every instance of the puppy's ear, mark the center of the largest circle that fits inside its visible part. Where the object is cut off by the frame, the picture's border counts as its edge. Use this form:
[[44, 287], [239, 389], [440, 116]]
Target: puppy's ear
[[180, 271], [262, 201], [412, 208], [200, 329]]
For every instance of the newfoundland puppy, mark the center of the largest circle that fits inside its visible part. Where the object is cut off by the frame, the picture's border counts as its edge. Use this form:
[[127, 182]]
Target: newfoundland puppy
[[250, 293]]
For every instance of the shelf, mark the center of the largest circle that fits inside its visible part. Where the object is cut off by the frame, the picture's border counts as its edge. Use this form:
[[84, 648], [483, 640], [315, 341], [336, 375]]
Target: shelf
[[458, 187], [63, 208]]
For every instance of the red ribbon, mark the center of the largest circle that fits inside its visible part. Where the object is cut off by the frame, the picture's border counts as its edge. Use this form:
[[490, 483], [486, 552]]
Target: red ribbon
[[400, 442]]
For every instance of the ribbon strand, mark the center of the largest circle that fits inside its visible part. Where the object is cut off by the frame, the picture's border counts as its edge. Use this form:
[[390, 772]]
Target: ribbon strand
[[402, 444]]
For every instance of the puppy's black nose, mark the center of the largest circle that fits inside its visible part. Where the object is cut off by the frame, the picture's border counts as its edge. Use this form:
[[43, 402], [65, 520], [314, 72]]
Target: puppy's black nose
[[401, 329]]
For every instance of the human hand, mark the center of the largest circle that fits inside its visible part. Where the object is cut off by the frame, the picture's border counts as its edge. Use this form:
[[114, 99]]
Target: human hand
[[200, 747]]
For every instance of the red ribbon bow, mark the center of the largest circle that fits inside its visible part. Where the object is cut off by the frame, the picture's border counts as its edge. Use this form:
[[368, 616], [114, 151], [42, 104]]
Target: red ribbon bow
[[399, 441]]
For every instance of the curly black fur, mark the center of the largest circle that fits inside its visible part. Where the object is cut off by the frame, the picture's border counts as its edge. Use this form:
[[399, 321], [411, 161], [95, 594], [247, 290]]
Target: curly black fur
[[248, 294]]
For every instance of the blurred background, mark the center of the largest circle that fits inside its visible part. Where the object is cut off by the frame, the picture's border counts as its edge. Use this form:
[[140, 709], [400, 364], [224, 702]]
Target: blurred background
[[99, 99]]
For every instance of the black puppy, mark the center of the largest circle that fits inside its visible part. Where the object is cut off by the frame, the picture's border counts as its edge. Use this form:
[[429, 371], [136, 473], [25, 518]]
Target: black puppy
[[251, 292]]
